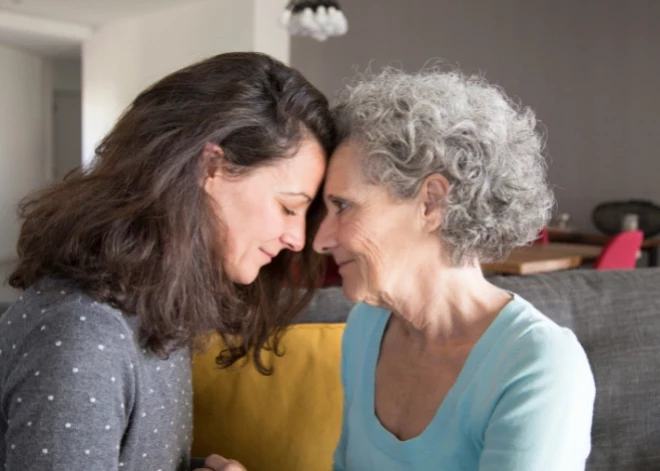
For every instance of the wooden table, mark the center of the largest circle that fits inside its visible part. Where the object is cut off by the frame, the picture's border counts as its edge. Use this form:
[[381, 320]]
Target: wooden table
[[650, 246], [541, 258]]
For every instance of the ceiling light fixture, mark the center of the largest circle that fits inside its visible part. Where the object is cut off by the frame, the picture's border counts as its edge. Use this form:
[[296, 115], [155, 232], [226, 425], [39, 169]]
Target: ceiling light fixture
[[318, 19]]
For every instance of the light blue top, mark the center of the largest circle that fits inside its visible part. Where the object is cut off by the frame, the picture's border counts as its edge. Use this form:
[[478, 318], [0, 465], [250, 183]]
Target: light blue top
[[522, 402]]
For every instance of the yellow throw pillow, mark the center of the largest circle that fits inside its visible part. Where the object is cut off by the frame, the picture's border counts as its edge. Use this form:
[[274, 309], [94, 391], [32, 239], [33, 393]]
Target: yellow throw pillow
[[290, 420]]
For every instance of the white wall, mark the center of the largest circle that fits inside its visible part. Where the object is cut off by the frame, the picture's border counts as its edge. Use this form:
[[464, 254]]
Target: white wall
[[589, 68], [25, 100], [67, 75], [269, 36], [123, 58], [67, 117]]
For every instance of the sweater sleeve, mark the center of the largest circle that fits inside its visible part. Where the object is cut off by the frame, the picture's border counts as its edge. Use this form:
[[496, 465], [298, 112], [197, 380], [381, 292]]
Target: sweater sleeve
[[542, 419], [67, 399]]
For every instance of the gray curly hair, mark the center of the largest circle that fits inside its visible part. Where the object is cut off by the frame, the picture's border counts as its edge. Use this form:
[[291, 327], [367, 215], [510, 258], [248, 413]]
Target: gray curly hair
[[412, 125]]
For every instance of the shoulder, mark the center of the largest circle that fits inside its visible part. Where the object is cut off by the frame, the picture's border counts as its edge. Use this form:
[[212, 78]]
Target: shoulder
[[534, 347], [533, 332], [65, 325], [65, 343], [83, 320]]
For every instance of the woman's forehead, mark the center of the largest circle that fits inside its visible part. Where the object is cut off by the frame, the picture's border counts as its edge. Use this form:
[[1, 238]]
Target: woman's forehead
[[343, 163]]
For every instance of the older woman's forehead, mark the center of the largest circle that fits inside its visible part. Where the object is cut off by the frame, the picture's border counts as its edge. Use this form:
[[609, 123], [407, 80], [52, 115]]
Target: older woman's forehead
[[343, 167], [345, 158]]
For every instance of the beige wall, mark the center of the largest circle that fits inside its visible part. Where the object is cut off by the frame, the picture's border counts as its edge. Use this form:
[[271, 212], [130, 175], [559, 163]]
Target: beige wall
[[25, 120], [25, 91], [590, 69], [123, 57]]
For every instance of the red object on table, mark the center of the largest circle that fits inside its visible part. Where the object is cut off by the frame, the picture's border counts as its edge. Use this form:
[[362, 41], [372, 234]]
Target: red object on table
[[621, 251], [543, 237]]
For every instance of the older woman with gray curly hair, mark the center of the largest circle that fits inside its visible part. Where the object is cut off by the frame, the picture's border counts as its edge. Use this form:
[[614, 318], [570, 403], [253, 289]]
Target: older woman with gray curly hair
[[435, 173]]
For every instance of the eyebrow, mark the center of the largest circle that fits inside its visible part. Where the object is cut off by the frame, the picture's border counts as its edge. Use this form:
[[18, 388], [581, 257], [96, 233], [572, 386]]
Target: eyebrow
[[304, 195]]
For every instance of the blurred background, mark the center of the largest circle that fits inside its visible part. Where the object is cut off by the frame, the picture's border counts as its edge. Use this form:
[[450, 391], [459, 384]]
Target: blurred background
[[590, 69]]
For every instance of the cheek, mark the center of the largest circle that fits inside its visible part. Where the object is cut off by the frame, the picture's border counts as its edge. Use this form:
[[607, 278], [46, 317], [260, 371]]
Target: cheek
[[360, 242], [347, 237], [257, 220], [269, 222], [232, 249], [243, 231]]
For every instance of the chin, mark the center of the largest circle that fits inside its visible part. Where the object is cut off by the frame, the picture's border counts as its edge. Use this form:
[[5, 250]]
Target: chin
[[244, 277]]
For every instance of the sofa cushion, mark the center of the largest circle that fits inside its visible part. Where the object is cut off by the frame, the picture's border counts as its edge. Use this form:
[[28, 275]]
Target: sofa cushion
[[290, 420]]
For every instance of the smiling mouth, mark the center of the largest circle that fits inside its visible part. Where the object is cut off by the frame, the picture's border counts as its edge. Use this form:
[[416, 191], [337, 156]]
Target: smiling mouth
[[270, 255]]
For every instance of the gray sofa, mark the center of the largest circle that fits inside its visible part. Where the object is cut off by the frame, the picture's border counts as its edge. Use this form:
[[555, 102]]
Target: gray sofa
[[616, 316]]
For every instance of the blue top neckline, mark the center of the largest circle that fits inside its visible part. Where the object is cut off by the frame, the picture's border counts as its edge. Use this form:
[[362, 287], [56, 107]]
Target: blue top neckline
[[425, 442]]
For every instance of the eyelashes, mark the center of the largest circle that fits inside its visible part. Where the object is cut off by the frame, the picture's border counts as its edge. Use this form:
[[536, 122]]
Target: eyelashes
[[287, 211]]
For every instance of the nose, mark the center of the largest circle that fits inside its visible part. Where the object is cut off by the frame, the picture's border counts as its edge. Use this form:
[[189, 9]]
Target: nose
[[326, 237], [294, 236]]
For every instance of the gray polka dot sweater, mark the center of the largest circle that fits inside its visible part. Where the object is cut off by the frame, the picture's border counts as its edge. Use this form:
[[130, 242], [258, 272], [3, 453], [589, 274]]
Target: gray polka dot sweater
[[79, 393]]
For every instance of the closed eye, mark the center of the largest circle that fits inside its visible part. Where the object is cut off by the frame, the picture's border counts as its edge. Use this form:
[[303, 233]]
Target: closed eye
[[287, 211]]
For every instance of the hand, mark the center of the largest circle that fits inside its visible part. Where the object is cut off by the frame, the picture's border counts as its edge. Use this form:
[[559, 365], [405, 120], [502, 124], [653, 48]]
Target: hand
[[218, 463]]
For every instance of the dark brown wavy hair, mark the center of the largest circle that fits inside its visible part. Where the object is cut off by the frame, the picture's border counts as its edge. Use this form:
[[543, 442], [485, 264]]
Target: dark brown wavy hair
[[137, 230]]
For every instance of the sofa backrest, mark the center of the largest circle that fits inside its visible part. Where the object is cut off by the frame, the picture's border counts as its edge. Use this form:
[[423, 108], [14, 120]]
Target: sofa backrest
[[616, 317]]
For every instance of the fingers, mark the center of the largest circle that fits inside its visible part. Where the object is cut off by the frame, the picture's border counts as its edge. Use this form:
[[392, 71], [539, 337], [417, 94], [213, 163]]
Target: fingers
[[218, 463]]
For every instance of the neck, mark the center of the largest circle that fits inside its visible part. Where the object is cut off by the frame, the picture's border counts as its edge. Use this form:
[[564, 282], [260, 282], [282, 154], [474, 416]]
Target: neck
[[445, 305]]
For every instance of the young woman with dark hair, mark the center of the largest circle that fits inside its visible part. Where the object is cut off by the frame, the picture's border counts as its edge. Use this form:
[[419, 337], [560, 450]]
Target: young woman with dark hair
[[198, 204]]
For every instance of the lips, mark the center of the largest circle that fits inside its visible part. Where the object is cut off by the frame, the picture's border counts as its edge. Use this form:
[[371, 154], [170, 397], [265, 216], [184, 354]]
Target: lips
[[270, 255], [341, 264]]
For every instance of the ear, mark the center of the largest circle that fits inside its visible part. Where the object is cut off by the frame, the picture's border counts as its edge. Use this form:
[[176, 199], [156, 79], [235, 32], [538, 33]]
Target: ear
[[211, 164], [212, 158], [431, 198]]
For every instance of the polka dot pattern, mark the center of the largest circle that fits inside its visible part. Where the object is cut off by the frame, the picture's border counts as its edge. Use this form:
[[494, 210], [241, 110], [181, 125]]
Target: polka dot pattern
[[91, 377]]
